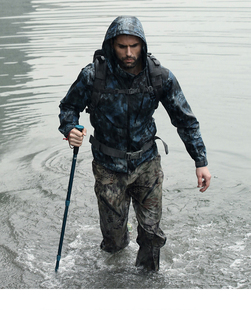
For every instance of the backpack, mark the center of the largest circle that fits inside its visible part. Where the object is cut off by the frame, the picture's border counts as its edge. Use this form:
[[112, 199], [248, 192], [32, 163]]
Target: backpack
[[155, 88]]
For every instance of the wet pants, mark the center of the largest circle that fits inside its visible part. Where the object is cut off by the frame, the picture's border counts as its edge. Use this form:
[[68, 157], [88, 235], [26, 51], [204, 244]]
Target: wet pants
[[114, 192]]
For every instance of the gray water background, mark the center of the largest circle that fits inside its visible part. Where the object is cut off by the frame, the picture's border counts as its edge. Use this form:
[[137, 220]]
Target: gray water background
[[43, 46]]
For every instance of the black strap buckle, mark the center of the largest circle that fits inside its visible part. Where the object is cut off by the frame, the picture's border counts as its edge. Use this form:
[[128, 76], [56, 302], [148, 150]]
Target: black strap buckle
[[133, 155], [131, 91]]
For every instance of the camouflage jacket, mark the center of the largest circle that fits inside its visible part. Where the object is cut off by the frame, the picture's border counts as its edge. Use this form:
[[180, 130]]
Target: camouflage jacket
[[125, 121]]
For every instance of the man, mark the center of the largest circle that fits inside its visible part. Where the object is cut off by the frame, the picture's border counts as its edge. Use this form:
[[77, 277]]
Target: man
[[126, 162]]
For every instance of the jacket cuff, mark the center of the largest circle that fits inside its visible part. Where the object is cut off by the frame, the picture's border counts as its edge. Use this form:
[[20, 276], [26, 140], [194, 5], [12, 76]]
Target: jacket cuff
[[68, 130], [200, 164], [67, 138]]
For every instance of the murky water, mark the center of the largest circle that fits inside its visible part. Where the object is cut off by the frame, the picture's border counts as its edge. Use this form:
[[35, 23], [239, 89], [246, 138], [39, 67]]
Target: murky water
[[44, 44]]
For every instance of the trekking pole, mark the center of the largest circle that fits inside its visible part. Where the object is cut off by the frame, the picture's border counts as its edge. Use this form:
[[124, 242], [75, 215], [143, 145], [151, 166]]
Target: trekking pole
[[67, 201]]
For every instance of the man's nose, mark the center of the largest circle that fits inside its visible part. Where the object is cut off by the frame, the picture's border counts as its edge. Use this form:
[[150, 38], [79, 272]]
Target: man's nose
[[128, 52]]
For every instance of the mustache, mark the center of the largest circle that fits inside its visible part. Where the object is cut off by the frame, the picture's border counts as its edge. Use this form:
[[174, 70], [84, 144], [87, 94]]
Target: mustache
[[128, 58]]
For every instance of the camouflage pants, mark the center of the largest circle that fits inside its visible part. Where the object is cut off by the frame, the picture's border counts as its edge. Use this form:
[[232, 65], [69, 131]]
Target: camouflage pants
[[114, 193]]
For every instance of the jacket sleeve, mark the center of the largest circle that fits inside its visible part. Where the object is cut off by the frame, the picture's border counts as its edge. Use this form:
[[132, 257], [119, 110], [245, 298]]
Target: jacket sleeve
[[76, 100], [183, 118]]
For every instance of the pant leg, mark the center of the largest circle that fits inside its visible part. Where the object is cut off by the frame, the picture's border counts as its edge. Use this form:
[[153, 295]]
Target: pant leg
[[113, 204], [147, 202]]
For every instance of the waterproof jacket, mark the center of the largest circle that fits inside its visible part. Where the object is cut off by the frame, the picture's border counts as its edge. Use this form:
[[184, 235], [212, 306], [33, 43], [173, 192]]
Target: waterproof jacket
[[125, 121]]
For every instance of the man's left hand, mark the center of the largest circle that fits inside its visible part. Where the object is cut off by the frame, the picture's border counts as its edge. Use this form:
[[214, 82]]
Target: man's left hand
[[204, 178]]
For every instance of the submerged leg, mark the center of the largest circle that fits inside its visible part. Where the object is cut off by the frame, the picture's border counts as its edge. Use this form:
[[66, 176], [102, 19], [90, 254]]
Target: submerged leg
[[149, 251], [147, 202], [113, 204]]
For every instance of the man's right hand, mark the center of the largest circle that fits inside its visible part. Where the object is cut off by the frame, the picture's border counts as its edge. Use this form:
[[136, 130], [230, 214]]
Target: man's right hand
[[75, 137]]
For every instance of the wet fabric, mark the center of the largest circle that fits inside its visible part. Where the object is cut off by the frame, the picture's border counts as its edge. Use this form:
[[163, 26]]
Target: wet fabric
[[115, 192], [125, 121]]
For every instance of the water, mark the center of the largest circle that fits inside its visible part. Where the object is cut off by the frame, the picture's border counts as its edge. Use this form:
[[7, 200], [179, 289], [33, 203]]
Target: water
[[44, 44]]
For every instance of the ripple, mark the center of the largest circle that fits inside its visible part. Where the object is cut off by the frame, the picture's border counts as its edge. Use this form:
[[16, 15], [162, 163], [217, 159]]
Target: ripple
[[10, 273]]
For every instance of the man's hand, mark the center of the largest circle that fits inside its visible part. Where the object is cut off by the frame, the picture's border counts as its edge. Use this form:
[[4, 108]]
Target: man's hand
[[76, 137], [204, 178]]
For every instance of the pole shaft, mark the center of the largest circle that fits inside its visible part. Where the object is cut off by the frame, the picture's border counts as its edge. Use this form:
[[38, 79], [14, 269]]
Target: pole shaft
[[67, 201]]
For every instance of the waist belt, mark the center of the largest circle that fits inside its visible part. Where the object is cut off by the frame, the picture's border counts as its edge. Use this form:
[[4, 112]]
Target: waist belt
[[123, 154]]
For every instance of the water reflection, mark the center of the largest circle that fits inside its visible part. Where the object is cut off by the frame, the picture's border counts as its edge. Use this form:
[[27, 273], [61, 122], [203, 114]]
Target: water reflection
[[13, 64]]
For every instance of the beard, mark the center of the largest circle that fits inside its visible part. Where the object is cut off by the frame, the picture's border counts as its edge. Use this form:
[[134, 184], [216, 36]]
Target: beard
[[133, 62]]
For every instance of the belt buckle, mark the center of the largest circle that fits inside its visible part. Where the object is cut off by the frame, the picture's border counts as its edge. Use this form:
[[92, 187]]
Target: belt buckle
[[134, 155]]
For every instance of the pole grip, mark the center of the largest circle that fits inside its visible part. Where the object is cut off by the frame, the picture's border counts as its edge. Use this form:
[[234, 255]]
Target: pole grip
[[76, 148], [79, 127]]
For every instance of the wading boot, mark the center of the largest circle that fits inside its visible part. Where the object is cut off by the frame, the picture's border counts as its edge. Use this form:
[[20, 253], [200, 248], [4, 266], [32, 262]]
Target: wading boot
[[148, 258]]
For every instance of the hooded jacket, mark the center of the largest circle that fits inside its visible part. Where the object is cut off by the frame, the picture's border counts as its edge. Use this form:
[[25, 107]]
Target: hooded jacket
[[125, 121]]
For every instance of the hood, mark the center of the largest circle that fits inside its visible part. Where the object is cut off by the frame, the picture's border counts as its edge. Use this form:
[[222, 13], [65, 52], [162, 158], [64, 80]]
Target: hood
[[123, 25]]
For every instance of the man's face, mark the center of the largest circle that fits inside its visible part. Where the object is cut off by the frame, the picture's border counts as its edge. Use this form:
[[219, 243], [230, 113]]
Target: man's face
[[128, 51]]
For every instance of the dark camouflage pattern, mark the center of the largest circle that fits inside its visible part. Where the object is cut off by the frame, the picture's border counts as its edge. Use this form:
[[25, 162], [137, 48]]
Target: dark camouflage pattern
[[114, 192], [125, 121], [125, 25]]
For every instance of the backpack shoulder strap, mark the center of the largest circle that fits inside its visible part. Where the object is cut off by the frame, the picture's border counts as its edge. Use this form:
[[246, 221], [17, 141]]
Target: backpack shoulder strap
[[155, 75], [100, 74], [97, 54], [99, 81], [100, 77]]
